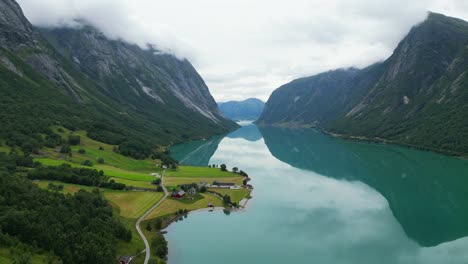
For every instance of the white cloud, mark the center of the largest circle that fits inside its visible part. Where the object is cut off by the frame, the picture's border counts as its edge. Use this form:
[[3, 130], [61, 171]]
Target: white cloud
[[247, 48]]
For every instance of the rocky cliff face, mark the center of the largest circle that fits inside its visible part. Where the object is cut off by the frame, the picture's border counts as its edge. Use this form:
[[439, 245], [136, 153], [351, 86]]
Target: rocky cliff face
[[158, 78], [111, 88], [15, 29], [418, 96]]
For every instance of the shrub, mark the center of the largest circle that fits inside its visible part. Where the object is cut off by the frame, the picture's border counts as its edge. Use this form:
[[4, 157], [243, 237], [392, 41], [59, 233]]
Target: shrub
[[82, 151], [100, 160], [223, 167], [158, 224], [87, 163], [156, 182], [65, 149], [74, 140]]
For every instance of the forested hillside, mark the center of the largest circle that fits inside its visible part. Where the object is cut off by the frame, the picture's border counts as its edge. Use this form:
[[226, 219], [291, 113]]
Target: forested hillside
[[118, 92], [417, 97]]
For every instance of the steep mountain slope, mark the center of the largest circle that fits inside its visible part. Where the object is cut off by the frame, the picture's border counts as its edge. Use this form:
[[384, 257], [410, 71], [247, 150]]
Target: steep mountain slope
[[80, 79], [418, 96], [249, 109]]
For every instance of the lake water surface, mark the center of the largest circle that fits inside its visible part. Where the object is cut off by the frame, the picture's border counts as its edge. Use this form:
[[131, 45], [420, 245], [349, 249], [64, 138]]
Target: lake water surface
[[320, 199]]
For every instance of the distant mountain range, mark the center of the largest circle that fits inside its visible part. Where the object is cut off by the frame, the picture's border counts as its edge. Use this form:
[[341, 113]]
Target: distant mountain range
[[249, 109], [80, 79], [417, 97]]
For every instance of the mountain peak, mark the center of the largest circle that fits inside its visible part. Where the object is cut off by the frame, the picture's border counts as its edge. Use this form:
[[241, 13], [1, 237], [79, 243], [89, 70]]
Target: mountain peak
[[415, 97]]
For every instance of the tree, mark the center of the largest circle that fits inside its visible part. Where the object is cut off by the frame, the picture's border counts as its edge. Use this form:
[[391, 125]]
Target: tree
[[158, 224], [244, 182], [159, 244], [148, 226], [156, 182], [65, 149], [82, 151], [203, 189], [74, 140], [100, 160], [223, 167], [235, 169], [22, 258], [227, 199], [87, 163], [159, 189]]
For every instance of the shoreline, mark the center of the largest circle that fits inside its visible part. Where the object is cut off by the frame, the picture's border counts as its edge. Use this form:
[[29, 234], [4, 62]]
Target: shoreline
[[372, 140], [393, 142], [207, 209], [170, 224]]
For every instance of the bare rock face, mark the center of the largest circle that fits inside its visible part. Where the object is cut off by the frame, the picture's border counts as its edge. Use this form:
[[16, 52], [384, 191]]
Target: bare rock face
[[147, 72], [15, 29], [418, 96]]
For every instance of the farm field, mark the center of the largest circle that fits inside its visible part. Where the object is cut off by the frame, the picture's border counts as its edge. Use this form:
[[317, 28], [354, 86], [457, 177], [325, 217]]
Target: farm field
[[174, 181], [199, 172], [236, 195], [170, 206], [132, 204]]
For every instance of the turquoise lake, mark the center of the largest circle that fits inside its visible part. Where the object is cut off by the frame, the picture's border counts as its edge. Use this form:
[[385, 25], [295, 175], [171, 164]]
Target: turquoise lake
[[320, 199]]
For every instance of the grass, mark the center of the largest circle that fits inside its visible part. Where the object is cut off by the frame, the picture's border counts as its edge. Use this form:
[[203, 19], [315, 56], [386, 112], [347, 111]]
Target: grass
[[4, 148], [174, 181], [199, 172], [132, 204], [137, 184], [170, 206], [236, 195], [128, 204], [110, 157], [124, 174], [108, 170]]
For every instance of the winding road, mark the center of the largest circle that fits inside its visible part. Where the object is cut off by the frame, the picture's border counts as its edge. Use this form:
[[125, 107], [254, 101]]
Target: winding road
[[147, 247]]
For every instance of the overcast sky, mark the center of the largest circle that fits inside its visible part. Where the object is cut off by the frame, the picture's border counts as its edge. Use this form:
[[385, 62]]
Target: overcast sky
[[248, 48]]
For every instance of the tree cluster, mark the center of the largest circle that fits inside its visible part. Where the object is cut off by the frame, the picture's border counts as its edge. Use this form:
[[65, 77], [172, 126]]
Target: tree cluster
[[78, 228], [68, 174]]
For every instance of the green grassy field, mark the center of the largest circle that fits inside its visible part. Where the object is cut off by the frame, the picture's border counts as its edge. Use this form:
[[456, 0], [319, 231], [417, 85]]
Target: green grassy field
[[4, 148], [236, 195], [108, 170], [174, 181], [199, 172], [170, 206], [132, 204], [92, 153], [137, 184]]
